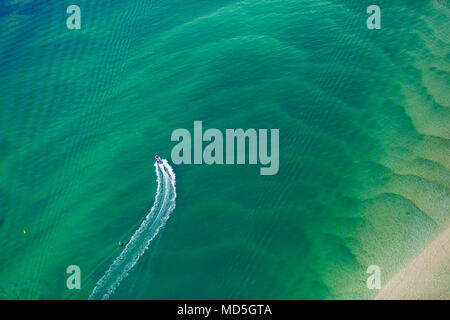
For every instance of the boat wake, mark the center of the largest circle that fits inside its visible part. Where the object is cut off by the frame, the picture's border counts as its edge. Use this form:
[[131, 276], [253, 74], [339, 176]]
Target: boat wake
[[147, 231]]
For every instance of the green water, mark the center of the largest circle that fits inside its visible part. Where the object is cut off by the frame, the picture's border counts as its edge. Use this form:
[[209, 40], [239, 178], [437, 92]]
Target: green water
[[363, 116]]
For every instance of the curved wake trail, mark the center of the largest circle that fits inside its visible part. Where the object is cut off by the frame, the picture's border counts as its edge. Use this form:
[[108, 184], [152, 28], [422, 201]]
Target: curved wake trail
[[147, 231]]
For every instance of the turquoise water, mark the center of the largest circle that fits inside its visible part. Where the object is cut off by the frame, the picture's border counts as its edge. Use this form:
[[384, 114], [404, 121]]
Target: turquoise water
[[363, 116]]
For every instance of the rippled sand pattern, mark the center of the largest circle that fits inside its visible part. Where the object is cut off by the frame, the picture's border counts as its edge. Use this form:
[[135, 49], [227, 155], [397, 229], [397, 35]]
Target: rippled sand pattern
[[364, 145]]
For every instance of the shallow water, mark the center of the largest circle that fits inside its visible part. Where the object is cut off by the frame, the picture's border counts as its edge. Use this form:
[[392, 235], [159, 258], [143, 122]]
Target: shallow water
[[364, 144]]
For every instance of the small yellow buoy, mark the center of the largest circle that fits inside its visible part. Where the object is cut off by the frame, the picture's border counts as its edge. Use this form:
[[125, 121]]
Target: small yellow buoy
[[24, 232]]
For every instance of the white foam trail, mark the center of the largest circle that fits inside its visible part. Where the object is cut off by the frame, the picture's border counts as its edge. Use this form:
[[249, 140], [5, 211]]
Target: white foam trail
[[155, 219]]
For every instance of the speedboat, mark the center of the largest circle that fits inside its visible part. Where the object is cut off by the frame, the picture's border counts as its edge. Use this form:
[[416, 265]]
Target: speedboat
[[158, 159]]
